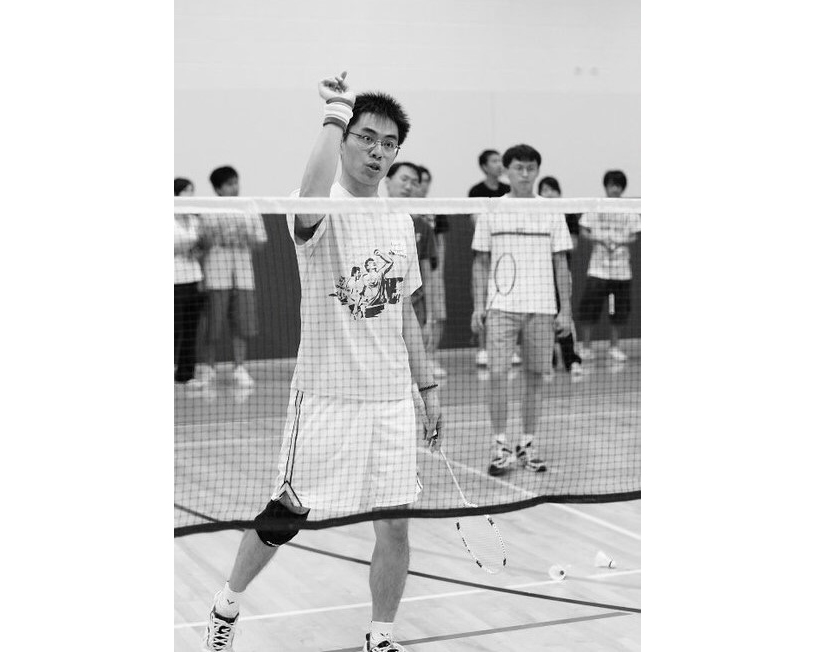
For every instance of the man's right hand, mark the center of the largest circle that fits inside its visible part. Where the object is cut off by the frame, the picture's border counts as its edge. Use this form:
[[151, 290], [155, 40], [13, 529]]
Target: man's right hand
[[333, 87]]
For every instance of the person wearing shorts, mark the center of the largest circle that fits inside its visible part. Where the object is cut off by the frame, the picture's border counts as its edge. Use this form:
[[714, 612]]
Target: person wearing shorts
[[349, 443], [609, 273], [520, 258], [229, 278]]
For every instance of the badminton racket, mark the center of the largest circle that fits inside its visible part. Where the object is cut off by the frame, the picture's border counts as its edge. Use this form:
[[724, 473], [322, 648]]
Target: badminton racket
[[480, 535], [503, 277]]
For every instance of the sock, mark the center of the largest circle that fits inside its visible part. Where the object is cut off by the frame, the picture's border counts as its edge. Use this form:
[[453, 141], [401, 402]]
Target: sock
[[227, 603], [381, 632]]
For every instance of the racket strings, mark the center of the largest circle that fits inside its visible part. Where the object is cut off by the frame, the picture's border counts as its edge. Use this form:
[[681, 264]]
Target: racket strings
[[484, 542]]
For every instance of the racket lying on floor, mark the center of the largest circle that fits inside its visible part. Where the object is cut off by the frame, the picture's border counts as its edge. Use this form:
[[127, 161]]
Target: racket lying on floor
[[480, 534]]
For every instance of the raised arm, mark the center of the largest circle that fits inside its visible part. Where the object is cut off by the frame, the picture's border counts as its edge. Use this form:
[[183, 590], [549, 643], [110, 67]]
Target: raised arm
[[321, 168]]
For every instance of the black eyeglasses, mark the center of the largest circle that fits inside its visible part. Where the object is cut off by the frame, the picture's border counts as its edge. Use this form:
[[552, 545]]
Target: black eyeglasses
[[366, 142]]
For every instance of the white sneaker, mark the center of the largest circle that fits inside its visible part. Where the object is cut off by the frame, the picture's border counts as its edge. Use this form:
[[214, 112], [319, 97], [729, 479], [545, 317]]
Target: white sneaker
[[502, 460], [195, 385], [384, 646], [242, 377], [438, 371], [528, 458], [576, 372], [584, 352], [207, 375], [220, 633], [617, 355], [516, 358], [481, 358]]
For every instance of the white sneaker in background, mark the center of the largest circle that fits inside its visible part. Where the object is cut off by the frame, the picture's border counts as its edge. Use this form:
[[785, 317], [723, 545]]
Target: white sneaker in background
[[242, 377], [207, 375], [576, 372], [438, 371], [481, 358], [195, 385], [615, 354], [584, 352]]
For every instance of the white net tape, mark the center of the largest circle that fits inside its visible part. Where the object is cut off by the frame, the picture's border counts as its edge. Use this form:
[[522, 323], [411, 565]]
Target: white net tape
[[444, 206]]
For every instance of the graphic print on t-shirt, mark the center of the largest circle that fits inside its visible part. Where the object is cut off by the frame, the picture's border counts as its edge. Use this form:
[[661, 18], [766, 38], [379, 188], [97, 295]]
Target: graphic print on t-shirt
[[368, 289]]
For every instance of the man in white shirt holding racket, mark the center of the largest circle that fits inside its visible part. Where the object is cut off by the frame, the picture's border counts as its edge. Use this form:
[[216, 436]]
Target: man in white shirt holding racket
[[350, 434], [514, 292]]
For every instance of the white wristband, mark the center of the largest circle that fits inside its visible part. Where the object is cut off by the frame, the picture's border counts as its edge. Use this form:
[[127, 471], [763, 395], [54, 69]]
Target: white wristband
[[338, 111]]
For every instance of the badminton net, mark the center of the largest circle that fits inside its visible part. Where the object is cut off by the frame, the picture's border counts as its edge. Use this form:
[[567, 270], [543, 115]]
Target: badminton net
[[231, 423]]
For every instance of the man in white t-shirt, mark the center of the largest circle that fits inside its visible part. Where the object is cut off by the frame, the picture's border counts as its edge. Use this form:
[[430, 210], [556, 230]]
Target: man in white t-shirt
[[514, 292], [350, 435], [609, 274]]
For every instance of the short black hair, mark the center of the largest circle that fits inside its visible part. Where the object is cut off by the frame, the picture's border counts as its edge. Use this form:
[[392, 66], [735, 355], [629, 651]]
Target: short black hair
[[548, 181], [181, 184], [221, 175], [615, 178], [522, 153], [422, 171], [484, 156], [398, 164], [384, 106]]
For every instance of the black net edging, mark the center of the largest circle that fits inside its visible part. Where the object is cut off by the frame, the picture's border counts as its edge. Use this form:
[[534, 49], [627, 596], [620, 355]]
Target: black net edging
[[228, 437]]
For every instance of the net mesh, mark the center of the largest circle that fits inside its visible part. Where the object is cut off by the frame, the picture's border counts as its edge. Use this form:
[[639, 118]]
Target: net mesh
[[340, 440]]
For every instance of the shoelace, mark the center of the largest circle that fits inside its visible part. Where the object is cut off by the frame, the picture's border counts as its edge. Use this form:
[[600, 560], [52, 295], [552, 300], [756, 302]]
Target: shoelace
[[221, 635], [387, 646]]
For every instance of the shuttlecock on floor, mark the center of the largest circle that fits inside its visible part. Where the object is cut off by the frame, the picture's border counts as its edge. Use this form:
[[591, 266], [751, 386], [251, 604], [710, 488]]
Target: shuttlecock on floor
[[603, 560], [557, 572]]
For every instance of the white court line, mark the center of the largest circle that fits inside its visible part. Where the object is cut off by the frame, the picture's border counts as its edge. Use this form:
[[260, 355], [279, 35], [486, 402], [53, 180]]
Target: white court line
[[418, 598], [531, 494], [599, 521]]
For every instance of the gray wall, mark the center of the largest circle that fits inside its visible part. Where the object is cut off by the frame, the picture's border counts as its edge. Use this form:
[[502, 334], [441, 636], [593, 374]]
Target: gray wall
[[561, 75]]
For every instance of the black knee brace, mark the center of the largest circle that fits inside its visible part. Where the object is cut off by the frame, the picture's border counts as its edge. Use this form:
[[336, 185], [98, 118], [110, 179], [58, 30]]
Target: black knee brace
[[267, 532]]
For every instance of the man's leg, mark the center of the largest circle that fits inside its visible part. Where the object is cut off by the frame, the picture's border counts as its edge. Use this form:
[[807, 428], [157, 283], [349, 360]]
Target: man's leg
[[239, 350], [252, 557], [532, 403], [502, 333], [538, 342], [244, 320], [389, 567]]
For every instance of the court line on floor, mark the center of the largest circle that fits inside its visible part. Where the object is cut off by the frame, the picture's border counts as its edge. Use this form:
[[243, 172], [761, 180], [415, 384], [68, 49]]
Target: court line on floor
[[494, 630], [420, 598]]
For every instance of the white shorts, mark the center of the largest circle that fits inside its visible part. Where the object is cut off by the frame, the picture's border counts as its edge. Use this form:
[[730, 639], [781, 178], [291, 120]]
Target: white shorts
[[344, 455]]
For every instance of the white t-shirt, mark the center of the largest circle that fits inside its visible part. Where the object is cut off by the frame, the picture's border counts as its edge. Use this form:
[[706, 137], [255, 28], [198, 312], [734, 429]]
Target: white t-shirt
[[521, 246], [355, 272], [612, 263], [187, 269]]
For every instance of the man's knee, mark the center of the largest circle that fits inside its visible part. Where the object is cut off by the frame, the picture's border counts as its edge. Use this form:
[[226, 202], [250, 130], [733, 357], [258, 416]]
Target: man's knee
[[276, 535], [392, 529]]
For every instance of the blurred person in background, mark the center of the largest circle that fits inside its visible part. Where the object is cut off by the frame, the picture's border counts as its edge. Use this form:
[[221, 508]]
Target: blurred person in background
[[434, 329], [609, 274], [188, 298], [526, 252], [229, 278], [491, 186], [549, 187]]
